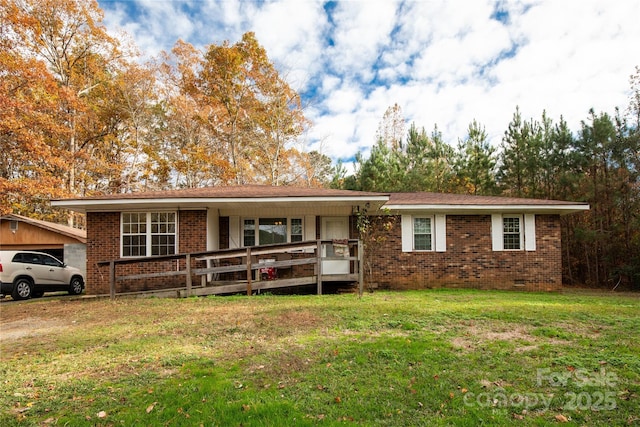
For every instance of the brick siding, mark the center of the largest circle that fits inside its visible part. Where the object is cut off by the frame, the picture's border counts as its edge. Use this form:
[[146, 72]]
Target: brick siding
[[103, 244], [469, 260]]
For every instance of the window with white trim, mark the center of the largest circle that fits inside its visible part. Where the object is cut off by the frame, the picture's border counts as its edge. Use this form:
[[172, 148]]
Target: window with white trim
[[511, 232], [296, 230], [266, 231], [422, 235], [148, 233]]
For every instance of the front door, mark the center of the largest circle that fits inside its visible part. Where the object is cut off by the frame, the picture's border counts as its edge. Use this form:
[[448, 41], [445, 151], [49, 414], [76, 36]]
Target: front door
[[334, 228]]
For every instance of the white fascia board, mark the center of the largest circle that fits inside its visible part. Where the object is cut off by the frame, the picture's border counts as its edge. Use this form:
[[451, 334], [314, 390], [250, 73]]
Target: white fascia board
[[479, 209]]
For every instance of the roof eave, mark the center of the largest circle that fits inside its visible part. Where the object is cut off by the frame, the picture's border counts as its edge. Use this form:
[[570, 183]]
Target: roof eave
[[486, 209], [98, 205]]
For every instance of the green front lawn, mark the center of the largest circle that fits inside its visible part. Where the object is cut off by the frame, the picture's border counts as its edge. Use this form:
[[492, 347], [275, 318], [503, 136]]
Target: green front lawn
[[438, 357]]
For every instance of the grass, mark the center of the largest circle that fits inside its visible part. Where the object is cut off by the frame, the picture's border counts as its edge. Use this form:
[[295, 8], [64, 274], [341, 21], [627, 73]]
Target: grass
[[438, 357]]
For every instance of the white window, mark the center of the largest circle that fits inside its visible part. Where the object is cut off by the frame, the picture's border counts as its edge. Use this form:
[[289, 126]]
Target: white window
[[424, 233], [296, 230], [266, 231], [513, 232], [148, 233]]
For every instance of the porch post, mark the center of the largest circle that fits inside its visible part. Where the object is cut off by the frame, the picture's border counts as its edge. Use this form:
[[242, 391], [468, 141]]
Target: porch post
[[319, 266], [360, 267], [188, 260], [112, 280], [249, 271]]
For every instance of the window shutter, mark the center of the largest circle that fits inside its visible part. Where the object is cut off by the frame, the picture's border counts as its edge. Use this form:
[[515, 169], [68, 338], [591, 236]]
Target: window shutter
[[234, 232], [496, 232], [407, 233], [441, 233], [530, 232]]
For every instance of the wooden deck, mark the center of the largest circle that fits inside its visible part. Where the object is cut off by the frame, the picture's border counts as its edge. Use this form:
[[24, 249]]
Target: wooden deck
[[250, 262]]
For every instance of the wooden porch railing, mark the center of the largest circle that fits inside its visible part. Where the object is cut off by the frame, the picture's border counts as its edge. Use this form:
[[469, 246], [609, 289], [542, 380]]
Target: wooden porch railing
[[311, 254]]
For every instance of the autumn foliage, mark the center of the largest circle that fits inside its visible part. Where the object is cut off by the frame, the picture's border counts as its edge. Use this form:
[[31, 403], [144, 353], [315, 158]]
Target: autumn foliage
[[81, 115]]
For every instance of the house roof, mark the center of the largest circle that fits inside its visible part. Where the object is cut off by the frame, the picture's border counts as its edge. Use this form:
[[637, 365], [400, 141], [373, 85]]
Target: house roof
[[283, 196], [239, 191], [465, 203], [228, 196], [80, 235]]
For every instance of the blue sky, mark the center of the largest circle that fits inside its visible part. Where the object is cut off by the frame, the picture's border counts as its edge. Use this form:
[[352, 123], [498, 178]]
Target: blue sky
[[445, 63]]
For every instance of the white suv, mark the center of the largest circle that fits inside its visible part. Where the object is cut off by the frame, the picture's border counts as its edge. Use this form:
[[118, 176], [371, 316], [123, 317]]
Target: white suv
[[26, 274]]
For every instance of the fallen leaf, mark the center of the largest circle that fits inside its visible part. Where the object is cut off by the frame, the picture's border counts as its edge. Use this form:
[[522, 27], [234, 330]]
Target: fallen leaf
[[518, 417], [245, 408], [337, 399], [561, 418], [102, 414], [150, 407], [571, 368], [464, 390], [451, 395]]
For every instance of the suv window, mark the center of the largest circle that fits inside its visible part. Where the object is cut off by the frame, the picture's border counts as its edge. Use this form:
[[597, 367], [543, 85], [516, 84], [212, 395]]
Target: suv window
[[28, 258], [47, 260]]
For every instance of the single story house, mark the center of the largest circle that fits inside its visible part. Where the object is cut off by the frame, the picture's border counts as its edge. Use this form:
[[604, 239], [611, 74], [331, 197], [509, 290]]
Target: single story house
[[431, 240], [66, 243]]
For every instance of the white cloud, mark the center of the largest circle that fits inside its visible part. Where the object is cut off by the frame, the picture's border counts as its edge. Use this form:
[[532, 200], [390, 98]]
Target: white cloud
[[443, 62]]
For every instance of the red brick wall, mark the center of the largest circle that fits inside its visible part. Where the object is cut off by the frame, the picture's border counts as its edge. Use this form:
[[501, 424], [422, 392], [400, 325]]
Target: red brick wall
[[469, 260], [103, 244]]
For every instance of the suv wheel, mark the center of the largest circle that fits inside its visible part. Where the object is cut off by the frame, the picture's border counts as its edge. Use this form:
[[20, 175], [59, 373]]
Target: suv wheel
[[22, 289], [75, 288]]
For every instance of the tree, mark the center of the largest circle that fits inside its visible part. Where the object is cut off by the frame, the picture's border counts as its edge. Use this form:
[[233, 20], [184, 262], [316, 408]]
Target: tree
[[373, 227], [258, 114], [382, 171], [188, 150], [427, 162], [317, 169], [29, 163], [72, 48], [520, 163], [597, 144], [391, 128], [475, 162]]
